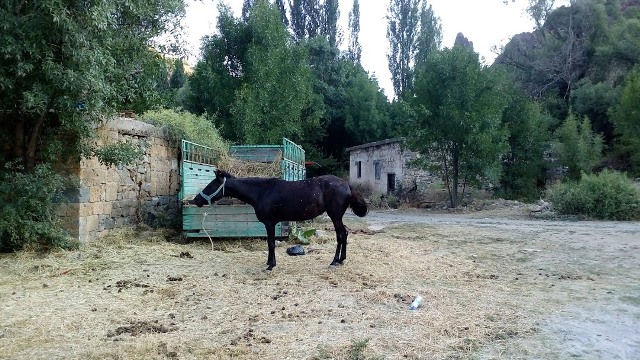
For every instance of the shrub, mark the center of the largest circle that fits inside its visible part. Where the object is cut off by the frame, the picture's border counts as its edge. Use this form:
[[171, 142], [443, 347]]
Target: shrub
[[609, 195], [27, 209], [185, 125]]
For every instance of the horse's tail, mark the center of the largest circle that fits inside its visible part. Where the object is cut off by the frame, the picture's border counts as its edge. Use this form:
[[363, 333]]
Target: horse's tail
[[357, 203]]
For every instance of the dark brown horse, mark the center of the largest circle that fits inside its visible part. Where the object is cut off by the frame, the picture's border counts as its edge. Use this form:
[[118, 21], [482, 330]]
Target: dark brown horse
[[276, 200]]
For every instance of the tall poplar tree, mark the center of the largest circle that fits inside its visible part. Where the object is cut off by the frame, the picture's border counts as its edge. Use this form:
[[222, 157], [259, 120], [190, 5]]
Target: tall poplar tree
[[354, 50], [283, 12], [430, 34], [330, 16], [403, 25]]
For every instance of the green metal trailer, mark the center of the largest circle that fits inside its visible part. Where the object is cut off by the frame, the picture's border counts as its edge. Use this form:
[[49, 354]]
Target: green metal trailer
[[230, 217]]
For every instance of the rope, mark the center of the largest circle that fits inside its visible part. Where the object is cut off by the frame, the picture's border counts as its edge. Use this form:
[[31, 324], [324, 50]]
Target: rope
[[204, 215], [208, 198]]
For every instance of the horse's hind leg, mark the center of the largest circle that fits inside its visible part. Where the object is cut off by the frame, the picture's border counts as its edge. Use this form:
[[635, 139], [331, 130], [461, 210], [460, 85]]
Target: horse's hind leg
[[341, 239]]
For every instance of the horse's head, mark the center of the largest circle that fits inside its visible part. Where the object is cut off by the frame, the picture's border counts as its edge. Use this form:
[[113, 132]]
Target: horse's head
[[214, 191]]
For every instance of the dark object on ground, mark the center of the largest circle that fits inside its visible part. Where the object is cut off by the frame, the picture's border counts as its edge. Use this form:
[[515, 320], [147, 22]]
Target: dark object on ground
[[295, 250]]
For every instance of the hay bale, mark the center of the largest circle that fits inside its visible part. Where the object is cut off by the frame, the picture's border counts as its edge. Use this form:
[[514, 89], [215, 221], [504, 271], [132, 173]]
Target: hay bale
[[243, 168]]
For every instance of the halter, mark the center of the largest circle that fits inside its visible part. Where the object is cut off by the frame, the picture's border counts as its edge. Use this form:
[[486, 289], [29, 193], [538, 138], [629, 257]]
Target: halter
[[208, 197]]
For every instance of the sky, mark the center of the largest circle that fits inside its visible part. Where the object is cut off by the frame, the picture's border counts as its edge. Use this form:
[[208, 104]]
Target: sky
[[486, 23]]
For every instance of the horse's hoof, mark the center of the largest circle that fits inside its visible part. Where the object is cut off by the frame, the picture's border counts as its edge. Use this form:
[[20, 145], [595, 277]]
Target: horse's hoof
[[269, 269]]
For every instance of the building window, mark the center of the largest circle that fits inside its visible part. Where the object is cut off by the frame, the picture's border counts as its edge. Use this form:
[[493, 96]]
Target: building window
[[359, 169], [377, 168], [391, 182]]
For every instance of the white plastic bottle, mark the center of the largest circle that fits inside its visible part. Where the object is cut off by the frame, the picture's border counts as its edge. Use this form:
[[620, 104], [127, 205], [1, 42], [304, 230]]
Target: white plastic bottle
[[416, 303]]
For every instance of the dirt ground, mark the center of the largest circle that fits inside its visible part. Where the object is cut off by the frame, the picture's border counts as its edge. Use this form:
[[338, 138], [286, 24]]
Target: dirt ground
[[497, 284]]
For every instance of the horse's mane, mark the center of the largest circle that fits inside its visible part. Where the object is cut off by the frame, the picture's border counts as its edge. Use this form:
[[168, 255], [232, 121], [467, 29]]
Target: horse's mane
[[225, 173]]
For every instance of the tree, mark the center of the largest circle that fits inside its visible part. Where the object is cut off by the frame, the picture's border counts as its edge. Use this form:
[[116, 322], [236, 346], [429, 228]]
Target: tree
[[330, 16], [178, 77], [64, 64], [277, 91], [366, 118], [246, 8], [457, 106], [221, 73], [626, 119], [524, 164], [255, 79], [354, 50], [402, 31], [578, 148], [306, 18], [283, 12], [430, 34]]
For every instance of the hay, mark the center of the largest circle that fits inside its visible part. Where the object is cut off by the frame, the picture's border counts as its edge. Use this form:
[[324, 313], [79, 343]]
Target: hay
[[242, 168], [116, 297]]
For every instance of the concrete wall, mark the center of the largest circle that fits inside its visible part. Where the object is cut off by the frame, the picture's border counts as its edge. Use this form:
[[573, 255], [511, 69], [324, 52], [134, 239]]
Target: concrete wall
[[392, 159], [110, 197]]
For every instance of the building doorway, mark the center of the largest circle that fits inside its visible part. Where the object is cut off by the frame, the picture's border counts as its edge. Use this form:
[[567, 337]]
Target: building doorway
[[391, 182]]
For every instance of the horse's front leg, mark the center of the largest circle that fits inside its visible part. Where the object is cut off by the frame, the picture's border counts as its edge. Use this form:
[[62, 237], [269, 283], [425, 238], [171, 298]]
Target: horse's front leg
[[341, 246], [271, 244]]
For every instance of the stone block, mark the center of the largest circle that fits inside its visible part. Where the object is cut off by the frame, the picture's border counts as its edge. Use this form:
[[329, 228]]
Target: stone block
[[93, 223], [86, 209], [111, 192], [96, 193], [107, 208], [106, 223], [75, 195]]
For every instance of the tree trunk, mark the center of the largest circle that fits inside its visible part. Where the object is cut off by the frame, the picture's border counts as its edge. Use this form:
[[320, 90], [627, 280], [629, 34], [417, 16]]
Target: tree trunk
[[445, 152], [456, 167], [34, 137]]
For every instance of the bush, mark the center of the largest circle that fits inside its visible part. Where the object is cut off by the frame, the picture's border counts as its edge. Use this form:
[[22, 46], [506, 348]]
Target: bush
[[609, 195], [27, 209], [185, 125]]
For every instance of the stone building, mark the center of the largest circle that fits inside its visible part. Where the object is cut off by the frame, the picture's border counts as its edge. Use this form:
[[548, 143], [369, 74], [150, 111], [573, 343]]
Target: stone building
[[113, 196], [384, 167]]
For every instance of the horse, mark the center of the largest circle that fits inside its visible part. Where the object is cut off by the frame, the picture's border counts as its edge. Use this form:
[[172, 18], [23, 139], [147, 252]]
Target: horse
[[275, 200]]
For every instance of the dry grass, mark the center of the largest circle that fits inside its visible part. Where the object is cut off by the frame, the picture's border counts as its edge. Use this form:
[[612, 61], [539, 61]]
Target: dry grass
[[134, 295], [241, 168]]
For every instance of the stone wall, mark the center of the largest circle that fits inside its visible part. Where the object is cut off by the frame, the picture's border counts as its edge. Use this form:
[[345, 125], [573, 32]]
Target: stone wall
[[111, 197]]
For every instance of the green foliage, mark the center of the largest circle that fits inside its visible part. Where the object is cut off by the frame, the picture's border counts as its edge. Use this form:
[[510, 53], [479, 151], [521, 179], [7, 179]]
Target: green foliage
[[185, 125], [455, 119], [577, 58], [365, 110], [524, 166], [65, 64], [578, 148], [256, 80], [178, 77], [276, 97], [300, 235], [626, 118], [354, 52], [609, 195], [403, 26], [27, 209], [220, 74], [119, 154]]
